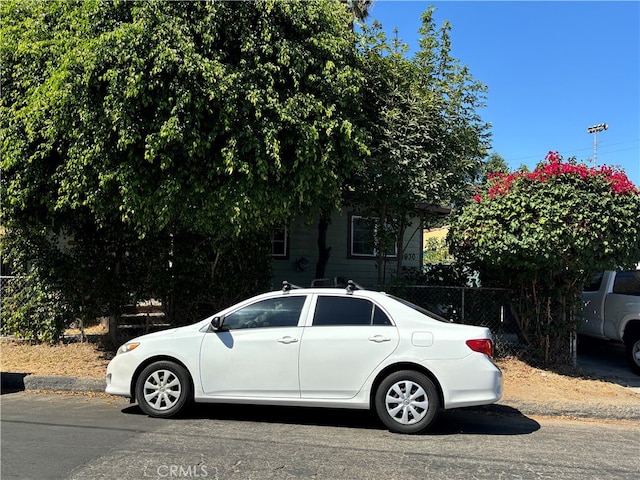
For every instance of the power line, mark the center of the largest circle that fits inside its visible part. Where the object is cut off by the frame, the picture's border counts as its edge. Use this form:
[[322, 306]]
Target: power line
[[566, 152]]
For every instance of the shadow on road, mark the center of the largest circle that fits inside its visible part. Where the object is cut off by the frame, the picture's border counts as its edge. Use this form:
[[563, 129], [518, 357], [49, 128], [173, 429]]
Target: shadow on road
[[11, 382], [491, 420]]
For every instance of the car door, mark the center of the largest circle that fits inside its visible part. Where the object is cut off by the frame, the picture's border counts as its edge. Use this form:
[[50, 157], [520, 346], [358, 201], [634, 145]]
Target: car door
[[349, 337], [256, 354]]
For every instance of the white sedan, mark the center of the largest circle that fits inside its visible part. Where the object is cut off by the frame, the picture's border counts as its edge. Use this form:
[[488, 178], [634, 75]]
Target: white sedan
[[314, 347]]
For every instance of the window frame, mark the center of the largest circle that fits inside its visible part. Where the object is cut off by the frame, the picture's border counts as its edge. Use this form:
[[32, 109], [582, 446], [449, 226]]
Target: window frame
[[375, 312], [365, 256], [284, 241], [299, 323], [627, 283]]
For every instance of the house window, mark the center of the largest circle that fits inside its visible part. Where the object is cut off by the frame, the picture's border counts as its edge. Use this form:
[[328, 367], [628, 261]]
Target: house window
[[362, 237], [280, 243]]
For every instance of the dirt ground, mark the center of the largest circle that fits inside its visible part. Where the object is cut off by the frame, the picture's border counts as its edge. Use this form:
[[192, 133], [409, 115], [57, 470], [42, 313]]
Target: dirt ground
[[526, 383], [521, 381]]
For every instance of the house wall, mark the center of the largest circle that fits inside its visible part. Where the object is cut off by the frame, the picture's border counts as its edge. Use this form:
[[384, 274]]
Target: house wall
[[303, 244]]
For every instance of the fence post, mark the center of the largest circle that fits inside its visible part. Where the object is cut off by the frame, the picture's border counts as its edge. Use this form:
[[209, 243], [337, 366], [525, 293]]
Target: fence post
[[462, 306]]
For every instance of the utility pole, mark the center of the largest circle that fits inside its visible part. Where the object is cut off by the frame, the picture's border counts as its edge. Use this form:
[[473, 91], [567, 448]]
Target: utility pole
[[595, 129]]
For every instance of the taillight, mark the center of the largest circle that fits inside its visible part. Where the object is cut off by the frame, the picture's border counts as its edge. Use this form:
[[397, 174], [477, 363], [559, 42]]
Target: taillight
[[483, 345]]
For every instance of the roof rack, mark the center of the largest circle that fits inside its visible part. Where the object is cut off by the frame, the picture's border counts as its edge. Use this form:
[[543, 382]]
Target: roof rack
[[286, 286], [352, 286]]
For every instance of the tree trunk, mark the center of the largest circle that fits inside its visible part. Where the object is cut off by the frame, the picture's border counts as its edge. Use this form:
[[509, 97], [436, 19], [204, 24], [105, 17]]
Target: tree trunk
[[114, 316], [545, 320], [323, 251], [400, 248]]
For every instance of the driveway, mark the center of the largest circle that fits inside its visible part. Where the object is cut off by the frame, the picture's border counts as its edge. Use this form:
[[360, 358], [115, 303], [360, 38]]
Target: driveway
[[605, 359]]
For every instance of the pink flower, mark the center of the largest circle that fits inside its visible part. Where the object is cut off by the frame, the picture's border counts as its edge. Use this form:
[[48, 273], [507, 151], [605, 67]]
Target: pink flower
[[500, 183]]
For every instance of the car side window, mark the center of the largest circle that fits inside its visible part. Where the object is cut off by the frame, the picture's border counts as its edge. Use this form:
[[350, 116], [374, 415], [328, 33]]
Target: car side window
[[627, 283], [273, 312], [348, 311], [594, 286]]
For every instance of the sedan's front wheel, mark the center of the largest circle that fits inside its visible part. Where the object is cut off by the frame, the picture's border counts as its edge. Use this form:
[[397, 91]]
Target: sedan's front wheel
[[163, 389], [407, 402]]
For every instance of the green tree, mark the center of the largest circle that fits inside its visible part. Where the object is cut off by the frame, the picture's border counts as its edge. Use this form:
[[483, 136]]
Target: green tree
[[544, 234], [494, 164], [359, 9], [436, 251], [130, 125], [426, 139]]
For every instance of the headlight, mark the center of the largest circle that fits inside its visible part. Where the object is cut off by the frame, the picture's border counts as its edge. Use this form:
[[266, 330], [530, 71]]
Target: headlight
[[127, 347]]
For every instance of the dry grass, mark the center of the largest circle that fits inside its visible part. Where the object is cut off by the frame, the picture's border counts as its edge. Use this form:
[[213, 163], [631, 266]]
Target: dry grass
[[522, 382], [72, 359], [78, 359]]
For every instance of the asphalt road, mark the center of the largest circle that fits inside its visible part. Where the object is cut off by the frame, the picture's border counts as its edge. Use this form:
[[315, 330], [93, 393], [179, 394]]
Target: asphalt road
[[50, 436]]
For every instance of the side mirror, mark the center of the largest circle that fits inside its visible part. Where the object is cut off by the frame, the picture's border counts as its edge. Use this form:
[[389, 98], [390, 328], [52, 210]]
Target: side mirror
[[217, 323]]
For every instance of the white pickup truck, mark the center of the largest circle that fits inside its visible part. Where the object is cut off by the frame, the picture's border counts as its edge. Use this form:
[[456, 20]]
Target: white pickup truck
[[612, 311]]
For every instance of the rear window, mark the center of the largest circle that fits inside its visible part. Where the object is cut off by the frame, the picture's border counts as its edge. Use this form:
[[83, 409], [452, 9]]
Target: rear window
[[417, 308], [627, 283]]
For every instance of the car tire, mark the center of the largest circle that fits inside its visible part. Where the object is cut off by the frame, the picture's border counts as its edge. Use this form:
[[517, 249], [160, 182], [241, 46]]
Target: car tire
[[632, 351], [163, 389], [407, 402]]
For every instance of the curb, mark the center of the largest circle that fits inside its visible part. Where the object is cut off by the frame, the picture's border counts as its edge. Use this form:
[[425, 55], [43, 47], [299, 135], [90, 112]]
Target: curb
[[21, 381], [65, 384], [575, 410]]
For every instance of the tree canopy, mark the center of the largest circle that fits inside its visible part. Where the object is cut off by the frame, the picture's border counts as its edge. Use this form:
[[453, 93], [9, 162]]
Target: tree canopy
[[426, 138], [544, 234], [245, 102], [149, 147], [131, 128]]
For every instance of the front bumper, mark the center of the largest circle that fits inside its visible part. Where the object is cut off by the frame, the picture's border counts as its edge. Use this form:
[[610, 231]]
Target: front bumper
[[120, 372]]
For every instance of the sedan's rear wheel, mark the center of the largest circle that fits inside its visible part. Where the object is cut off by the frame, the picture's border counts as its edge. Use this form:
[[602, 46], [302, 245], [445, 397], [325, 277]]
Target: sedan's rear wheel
[[407, 402], [163, 389]]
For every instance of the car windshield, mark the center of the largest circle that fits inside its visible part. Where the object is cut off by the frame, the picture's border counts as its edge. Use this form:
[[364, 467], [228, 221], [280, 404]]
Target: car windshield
[[423, 311]]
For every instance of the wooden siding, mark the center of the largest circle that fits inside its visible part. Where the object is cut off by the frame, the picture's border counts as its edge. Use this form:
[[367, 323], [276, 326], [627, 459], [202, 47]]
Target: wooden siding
[[303, 240]]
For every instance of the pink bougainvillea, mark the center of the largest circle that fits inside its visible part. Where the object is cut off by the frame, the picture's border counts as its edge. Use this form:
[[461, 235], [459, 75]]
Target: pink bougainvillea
[[500, 183]]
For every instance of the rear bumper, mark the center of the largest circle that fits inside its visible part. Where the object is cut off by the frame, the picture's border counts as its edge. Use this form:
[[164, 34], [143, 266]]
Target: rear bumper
[[475, 380]]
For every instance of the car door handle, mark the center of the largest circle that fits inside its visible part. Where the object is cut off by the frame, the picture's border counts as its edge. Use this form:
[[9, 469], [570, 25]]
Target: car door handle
[[287, 340], [379, 339]]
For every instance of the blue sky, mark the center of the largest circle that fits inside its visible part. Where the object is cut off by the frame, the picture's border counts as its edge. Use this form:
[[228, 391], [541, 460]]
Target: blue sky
[[553, 69]]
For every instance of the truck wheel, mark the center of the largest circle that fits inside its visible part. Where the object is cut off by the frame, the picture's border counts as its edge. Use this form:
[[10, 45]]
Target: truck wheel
[[633, 352]]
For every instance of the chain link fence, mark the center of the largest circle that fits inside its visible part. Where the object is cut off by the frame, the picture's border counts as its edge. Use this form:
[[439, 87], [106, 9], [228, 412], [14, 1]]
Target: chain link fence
[[10, 286], [486, 307]]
